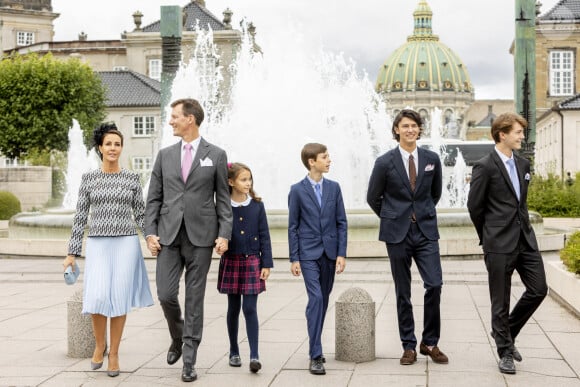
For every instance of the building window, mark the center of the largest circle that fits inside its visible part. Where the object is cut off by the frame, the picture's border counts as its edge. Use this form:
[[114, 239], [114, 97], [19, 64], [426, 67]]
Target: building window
[[561, 73], [142, 164], [143, 125], [155, 69], [24, 38]]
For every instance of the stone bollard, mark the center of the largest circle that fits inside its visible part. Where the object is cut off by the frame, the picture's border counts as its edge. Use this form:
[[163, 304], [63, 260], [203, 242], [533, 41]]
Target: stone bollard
[[355, 326], [81, 342]]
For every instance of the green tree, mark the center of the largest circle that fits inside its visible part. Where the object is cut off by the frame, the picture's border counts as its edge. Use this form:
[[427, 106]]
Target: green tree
[[39, 97]]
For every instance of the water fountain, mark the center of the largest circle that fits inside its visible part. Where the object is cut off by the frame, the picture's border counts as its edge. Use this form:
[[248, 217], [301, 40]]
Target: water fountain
[[56, 222], [295, 93]]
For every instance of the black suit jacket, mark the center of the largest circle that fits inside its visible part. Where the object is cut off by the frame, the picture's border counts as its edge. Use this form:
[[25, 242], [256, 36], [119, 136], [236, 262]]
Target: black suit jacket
[[391, 198], [495, 211]]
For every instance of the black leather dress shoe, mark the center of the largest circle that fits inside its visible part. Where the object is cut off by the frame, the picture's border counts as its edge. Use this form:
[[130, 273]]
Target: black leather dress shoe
[[516, 354], [174, 352], [188, 374], [317, 367], [506, 365]]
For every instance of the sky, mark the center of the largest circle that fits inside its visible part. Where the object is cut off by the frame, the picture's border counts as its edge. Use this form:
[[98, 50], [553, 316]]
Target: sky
[[367, 31]]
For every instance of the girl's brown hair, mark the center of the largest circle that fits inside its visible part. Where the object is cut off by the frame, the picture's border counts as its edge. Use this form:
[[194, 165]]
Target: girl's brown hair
[[234, 170]]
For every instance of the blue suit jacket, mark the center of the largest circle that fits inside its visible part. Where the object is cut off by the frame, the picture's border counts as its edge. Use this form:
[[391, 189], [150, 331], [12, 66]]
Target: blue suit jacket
[[313, 230], [390, 197]]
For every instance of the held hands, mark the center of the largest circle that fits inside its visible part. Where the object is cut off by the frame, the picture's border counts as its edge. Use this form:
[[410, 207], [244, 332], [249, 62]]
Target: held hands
[[153, 244], [221, 245], [68, 261], [340, 264], [295, 269]]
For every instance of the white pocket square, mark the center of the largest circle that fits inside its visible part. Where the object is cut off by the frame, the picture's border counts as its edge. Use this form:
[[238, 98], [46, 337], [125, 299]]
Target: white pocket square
[[429, 167], [206, 162]]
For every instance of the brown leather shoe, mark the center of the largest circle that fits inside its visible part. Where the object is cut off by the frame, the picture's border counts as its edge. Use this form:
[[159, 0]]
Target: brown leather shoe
[[436, 355], [409, 357]]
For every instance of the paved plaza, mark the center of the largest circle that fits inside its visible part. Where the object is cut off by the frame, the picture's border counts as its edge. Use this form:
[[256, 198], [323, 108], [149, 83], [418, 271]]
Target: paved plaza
[[33, 335]]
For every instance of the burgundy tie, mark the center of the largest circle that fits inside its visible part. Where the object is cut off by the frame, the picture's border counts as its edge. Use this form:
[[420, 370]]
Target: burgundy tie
[[187, 160], [412, 172], [412, 180]]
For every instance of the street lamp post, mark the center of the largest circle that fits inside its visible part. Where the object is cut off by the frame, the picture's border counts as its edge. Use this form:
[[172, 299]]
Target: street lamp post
[[525, 72]]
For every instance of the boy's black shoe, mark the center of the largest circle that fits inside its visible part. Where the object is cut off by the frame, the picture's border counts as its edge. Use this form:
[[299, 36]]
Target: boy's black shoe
[[317, 366]]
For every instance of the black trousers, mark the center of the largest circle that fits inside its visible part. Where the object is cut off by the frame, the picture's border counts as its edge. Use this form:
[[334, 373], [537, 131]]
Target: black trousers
[[500, 267]]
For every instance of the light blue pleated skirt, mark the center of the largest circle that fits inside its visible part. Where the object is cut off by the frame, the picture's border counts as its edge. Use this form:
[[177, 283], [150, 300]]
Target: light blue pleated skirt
[[115, 277]]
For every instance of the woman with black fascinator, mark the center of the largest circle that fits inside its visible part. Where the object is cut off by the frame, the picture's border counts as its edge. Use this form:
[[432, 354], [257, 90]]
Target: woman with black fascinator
[[115, 280]]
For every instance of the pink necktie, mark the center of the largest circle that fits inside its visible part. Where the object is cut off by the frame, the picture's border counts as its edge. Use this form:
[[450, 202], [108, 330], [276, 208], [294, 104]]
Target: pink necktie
[[187, 160]]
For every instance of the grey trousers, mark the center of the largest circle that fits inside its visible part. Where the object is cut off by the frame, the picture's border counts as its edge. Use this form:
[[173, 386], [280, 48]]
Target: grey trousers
[[171, 261]]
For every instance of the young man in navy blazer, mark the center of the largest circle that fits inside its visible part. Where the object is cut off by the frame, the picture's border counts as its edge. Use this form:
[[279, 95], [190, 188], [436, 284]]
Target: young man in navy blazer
[[497, 205], [404, 189], [317, 233]]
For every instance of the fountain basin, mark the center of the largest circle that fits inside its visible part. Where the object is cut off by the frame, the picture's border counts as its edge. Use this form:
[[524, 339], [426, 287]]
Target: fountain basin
[[47, 233]]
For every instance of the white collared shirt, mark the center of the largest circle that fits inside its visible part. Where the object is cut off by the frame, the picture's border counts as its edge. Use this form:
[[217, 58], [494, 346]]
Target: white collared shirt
[[406, 155], [505, 159], [313, 183], [241, 204]]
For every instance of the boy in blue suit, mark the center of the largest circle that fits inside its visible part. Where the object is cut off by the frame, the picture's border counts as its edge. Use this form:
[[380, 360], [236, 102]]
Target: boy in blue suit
[[317, 233]]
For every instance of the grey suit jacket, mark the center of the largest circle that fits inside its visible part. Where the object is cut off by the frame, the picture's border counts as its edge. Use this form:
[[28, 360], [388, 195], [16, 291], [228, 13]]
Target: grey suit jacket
[[203, 201]]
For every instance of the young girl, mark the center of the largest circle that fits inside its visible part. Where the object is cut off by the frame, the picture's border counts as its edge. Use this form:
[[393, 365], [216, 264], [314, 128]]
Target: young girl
[[245, 267]]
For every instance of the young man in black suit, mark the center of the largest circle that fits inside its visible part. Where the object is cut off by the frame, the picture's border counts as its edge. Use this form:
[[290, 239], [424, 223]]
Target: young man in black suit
[[498, 208], [404, 189]]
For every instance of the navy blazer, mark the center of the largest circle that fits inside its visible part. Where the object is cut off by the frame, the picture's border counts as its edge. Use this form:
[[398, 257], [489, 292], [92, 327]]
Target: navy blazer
[[313, 230], [495, 211], [250, 235], [391, 198]]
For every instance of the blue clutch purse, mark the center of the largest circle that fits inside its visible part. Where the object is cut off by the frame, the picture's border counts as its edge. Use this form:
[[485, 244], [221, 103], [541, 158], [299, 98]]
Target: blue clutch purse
[[71, 274]]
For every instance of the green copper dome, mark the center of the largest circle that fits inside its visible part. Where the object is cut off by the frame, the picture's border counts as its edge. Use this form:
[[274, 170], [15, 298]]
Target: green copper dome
[[423, 63]]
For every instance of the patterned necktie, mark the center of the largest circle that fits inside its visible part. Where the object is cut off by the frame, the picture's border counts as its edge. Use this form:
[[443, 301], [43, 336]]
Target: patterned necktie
[[412, 172], [187, 160], [318, 194], [514, 176]]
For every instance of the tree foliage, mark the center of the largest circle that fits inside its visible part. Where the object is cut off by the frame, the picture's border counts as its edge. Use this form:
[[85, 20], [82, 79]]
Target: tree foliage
[[553, 197], [39, 97], [570, 254]]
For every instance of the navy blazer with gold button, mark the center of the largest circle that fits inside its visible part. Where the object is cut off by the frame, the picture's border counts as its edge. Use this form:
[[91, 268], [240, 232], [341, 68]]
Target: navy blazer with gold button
[[250, 235]]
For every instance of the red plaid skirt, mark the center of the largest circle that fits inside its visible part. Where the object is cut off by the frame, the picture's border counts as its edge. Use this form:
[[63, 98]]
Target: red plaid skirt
[[240, 274]]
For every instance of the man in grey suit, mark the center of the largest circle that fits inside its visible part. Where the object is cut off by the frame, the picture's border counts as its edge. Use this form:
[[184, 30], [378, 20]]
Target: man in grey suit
[[188, 212]]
